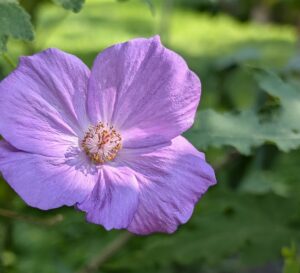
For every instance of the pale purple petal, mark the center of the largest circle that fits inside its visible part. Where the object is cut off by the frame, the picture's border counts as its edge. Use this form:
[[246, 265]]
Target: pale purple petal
[[43, 103], [114, 199], [145, 90], [44, 182], [171, 180]]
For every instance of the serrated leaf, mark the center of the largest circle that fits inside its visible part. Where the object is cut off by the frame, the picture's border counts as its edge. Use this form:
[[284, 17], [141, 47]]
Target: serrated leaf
[[245, 130], [14, 22], [218, 129], [74, 5], [289, 97]]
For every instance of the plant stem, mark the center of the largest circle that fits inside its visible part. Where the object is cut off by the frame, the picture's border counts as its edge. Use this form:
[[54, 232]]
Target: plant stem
[[16, 216], [96, 262], [9, 60], [165, 21]]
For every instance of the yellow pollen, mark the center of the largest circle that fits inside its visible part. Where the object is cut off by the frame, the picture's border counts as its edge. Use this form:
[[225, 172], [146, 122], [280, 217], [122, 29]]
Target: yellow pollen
[[101, 143]]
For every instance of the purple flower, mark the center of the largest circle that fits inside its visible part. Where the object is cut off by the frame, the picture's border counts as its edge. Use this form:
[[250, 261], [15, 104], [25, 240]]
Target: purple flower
[[106, 140]]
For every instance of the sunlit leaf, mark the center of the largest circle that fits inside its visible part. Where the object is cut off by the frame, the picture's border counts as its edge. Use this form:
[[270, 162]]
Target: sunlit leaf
[[291, 261]]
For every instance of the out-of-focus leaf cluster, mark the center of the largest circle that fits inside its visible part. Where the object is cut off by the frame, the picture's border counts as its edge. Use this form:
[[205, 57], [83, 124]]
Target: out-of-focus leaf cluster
[[15, 22]]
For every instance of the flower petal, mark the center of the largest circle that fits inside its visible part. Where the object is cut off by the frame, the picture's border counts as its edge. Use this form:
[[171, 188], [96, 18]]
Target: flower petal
[[171, 180], [44, 182], [145, 90], [114, 199], [43, 103]]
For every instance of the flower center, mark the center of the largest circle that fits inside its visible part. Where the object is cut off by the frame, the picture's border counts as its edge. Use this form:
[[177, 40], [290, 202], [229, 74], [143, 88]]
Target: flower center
[[101, 143]]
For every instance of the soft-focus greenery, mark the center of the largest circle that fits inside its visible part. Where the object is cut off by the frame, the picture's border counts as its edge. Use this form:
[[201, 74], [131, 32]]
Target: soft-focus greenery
[[247, 123]]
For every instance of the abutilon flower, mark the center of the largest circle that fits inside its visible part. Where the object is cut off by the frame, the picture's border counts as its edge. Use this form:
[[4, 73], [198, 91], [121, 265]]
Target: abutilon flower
[[107, 140]]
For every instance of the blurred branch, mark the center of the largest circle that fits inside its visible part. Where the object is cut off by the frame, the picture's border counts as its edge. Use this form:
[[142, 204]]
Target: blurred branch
[[9, 60], [17, 216], [165, 22], [112, 248], [150, 4]]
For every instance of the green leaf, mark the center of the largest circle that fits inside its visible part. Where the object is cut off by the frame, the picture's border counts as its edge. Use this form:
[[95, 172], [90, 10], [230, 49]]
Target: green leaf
[[293, 65], [218, 129], [246, 130], [74, 5], [262, 182], [14, 22], [288, 95]]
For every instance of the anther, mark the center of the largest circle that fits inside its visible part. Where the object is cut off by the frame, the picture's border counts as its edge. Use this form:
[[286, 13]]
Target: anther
[[101, 143]]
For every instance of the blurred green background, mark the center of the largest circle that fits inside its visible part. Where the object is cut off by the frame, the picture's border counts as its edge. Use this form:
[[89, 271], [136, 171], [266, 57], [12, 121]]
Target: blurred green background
[[247, 56]]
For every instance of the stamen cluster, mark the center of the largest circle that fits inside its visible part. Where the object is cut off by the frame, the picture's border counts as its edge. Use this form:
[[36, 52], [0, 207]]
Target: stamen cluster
[[101, 143]]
